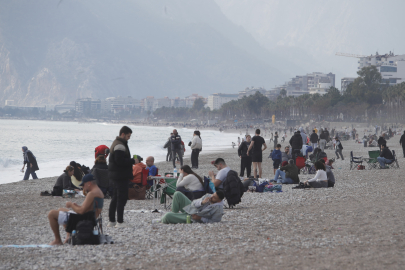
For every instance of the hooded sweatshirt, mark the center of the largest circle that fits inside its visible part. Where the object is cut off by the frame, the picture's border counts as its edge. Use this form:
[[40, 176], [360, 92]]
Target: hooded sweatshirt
[[137, 172]]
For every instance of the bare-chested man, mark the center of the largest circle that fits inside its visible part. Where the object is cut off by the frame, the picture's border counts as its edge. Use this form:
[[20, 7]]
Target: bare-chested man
[[94, 202]]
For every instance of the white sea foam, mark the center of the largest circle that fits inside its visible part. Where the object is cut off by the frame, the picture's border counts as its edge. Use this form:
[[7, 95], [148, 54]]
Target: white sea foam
[[55, 144]]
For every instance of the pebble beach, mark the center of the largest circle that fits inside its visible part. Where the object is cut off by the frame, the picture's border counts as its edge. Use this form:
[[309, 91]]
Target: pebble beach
[[358, 224]]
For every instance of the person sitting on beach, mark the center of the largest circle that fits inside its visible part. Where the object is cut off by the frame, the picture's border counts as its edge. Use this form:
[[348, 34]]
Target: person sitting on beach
[[286, 156], [208, 209], [64, 180], [190, 181], [100, 163], [77, 175], [151, 166], [223, 169], [321, 179], [288, 174], [137, 171], [385, 157], [94, 201]]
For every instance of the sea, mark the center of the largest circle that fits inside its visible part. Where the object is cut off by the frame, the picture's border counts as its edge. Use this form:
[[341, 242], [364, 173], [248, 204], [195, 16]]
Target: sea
[[55, 144]]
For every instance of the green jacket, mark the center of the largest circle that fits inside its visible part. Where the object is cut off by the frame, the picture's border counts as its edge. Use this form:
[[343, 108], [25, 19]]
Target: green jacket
[[291, 171]]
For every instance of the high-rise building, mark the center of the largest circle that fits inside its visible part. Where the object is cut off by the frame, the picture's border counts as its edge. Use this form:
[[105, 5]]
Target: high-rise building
[[345, 82], [215, 101], [301, 85]]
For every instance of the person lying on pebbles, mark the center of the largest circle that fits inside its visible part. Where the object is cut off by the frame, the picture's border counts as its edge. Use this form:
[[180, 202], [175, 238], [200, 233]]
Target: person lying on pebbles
[[208, 209], [94, 202]]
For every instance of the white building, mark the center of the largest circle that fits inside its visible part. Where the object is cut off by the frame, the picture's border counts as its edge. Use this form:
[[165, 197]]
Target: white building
[[10, 103], [116, 104], [345, 82], [393, 74], [215, 101], [377, 60], [189, 101], [251, 91], [161, 102]]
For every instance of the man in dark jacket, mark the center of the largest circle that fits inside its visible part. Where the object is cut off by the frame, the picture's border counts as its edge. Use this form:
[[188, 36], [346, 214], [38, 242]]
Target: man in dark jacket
[[402, 142], [381, 141], [385, 157], [31, 161], [288, 174], [314, 139], [245, 160], [296, 144], [120, 172], [177, 147]]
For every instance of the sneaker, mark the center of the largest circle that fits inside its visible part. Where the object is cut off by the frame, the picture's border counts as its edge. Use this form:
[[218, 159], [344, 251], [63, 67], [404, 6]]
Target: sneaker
[[111, 224], [121, 225]]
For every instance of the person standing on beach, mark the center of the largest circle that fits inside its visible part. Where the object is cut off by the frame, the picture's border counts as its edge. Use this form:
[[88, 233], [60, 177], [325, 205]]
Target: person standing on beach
[[257, 156], [31, 161], [245, 160], [175, 140], [196, 146], [120, 172], [275, 140], [402, 143], [168, 145]]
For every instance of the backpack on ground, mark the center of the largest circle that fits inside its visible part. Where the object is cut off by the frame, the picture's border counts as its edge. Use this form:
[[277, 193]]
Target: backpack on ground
[[233, 188], [84, 234]]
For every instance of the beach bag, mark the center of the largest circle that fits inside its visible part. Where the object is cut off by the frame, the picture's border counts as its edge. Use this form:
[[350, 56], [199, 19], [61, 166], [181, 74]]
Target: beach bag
[[136, 192], [260, 188], [361, 167], [84, 234], [271, 188], [233, 188]]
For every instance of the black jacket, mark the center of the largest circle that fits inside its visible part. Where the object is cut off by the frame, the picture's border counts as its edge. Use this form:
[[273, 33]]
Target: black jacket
[[314, 137], [323, 136], [120, 166], [291, 171], [175, 142], [296, 141], [101, 166], [242, 150], [386, 153], [32, 162], [64, 181], [402, 140]]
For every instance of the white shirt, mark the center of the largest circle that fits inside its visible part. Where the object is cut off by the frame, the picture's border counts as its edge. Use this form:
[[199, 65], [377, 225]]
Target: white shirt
[[190, 182], [221, 176], [319, 176]]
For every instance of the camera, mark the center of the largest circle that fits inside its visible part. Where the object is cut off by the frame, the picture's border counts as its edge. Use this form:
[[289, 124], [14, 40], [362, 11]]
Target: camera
[[138, 157]]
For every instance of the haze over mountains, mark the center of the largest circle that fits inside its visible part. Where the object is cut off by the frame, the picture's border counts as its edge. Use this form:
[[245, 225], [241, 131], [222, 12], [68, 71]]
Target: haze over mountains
[[310, 32], [52, 52]]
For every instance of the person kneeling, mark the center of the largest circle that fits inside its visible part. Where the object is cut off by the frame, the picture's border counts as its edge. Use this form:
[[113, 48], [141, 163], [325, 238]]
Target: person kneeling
[[94, 202], [208, 209]]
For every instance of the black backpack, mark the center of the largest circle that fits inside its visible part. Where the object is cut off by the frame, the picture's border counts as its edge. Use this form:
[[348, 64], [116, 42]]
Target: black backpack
[[233, 188], [84, 234]]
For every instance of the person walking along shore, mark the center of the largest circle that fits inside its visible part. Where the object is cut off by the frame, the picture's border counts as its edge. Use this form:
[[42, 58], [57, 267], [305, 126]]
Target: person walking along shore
[[31, 161]]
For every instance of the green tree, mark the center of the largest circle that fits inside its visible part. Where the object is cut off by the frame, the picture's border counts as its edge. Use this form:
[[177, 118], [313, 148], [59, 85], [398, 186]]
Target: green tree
[[198, 104], [367, 86]]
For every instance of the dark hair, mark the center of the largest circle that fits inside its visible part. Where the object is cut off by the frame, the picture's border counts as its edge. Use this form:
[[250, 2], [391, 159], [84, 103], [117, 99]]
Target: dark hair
[[188, 170], [291, 162], [197, 132], [384, 144], [257, 131], [126, 130], [219, 161], [313, 130], [69, 169], [278, 145], [220, 194], [100, 159], [319, 165], [322, 160], [78, 172]]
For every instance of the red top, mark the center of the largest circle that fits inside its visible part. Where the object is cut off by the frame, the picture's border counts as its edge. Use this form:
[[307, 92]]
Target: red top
[[100, 150]]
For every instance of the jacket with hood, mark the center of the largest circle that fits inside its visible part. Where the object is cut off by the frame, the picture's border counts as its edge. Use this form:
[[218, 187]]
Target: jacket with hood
[[175, 140], [120, 161], [304, 136], [296, 141], [137, 172], [242, 150]]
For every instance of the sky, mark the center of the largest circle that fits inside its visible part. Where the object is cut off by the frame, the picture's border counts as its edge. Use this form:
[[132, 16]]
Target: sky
[[310, 32]]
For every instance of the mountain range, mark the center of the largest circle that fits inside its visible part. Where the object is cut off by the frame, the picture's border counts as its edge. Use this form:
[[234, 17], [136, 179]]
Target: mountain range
[[55, 51]]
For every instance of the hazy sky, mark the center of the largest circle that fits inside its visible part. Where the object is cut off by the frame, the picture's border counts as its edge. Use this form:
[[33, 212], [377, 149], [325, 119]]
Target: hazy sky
[[310, 32]]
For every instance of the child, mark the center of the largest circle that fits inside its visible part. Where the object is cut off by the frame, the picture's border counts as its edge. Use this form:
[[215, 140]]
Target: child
[[276, 157]]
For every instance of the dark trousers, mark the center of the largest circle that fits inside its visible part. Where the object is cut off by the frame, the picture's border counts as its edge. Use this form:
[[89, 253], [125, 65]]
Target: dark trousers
[[403, 149], [194, 157], [28, 172], [119, 200], [245, 162], [179, 154], [169, 155], [295, 153]]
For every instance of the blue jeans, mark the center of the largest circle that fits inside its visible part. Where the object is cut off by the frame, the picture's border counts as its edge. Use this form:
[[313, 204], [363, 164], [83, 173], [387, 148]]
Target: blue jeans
[[384, 161], [283, 180], [28, 172]]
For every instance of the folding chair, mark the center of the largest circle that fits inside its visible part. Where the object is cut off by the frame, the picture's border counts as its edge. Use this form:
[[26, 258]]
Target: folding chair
[[394, 164], [168, 191], [300, 163], [354, 161], [372, 162], [150, 192]]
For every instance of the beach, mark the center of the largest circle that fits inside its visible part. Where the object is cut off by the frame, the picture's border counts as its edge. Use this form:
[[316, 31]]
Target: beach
[[358, 224]]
